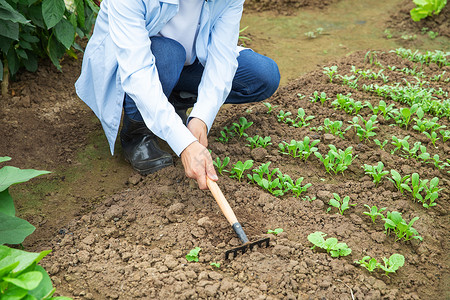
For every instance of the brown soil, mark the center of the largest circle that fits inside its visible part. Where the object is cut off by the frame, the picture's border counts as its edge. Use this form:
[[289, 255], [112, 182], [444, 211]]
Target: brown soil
[[133, 244], [284, 7], [401, 20]]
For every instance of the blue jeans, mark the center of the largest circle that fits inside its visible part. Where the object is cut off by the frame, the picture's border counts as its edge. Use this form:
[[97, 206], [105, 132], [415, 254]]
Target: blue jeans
[[256, 78]]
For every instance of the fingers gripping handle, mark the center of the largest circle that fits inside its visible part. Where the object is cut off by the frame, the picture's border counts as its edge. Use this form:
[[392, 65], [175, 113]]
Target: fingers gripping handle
[[226, 209]]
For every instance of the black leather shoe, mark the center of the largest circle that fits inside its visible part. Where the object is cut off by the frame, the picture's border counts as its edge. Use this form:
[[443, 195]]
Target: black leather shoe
[[182, 102], [141, 149]]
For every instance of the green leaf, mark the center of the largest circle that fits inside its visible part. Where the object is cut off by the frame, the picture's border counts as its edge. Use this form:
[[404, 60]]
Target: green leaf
[[193, 254], [12, 175], [9, 29], [4, 158], [396, 261], [24, 258], [65, 33], [27, 281], [14, 230], [317, 238], [31, 64], [334, 203], [7, 264], [35, 14], [14, 293], [8, 13], [45, 288], [52, 11], [79, 9], [7, 204]]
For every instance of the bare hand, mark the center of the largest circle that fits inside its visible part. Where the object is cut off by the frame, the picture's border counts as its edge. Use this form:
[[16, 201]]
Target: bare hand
[[199, 130], [198, 164]]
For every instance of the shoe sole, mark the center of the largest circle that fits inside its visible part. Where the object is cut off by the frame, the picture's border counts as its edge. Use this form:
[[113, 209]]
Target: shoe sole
[[152, 169]]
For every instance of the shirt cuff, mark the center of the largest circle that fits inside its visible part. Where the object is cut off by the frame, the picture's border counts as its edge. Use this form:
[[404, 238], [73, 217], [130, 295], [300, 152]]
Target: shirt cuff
[[179, 138], [206, 114]]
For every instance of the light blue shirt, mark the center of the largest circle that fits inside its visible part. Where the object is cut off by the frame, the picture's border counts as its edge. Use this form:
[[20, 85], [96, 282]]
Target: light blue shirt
[[118, 60]]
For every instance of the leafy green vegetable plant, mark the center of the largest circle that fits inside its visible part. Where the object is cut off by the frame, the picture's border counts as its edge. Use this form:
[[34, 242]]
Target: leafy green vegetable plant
[[400, 182], [302, 149], [445, 135], [239, 168], [271, 183], [193, 254], [341, 204], [366, 131], [336, 160], [395, 222], [333, 127], [375, 171], [425, 8], [215, 264], [404, 118], [432, 136], [226, 134], [374, 212], [347, 104], [275, 231], [432, 193], [220, 165], [270, 107], [391, 265], [259, 141], [330, 71], [284, 116], [240, 127], [295, 187], [380, 144], [331, 245], [301, 120]]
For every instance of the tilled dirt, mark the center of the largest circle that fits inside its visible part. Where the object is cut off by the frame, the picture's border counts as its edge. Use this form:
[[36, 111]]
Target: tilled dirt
[[284, 7], [133, 245]]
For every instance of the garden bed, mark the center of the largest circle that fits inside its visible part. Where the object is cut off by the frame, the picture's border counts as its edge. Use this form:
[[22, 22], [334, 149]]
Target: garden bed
[[134, 244]]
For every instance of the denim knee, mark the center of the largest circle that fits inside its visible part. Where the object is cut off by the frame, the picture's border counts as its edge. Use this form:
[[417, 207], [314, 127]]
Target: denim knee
[[270, 78]]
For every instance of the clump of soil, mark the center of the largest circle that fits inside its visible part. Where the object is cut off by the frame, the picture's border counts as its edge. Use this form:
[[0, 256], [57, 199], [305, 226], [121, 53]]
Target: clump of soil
[[285, 7], [134, 244], [401, 20]]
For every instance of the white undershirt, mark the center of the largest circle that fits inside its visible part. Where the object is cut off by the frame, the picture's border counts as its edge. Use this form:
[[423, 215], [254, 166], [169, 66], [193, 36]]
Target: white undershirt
[[183, 27]]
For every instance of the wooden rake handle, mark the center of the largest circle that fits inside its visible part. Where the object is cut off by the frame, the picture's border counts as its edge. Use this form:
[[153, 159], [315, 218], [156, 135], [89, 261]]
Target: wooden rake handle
[[226, 209]]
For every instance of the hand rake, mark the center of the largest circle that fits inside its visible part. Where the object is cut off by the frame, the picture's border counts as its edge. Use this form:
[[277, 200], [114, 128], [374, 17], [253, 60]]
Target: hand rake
[[231, 217]]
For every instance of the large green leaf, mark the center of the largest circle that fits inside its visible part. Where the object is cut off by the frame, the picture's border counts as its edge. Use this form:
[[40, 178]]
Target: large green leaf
[[12, 175], [31, 64], [5, 43], [9, 29], [55, 51], [65, 33], [7, 264], [14, 230], [52, 11], [7, 12], [28, 281], [35, 14], [45, 288], [24, 258], [7, 204], [79, 9]]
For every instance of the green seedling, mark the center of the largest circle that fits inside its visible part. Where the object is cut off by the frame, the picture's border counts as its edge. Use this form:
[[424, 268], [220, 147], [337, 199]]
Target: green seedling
[[387, 111], [283, 116], [275, 231], [404, 118], [215, 264], [436, 161], [380, 144], [271, 184], [322, 97], [301, 120], [417, 185], [341, 204], [220, 165], [239, 168], [401, 183], [302, 149], [193, 254], [375, 171], [432, 193], [433, 137], [333, 127], [398, 143], [423, 124], [225, 135], [242, 126], [395, 222], [259, 141], [374, 212], [336, 160], [411, 152], [438, 77], [445, 135], [366, 131], [347, 104], [331, 245], [330, 71], [269, 107], [295, 187], [367, 262], [392, 264]]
